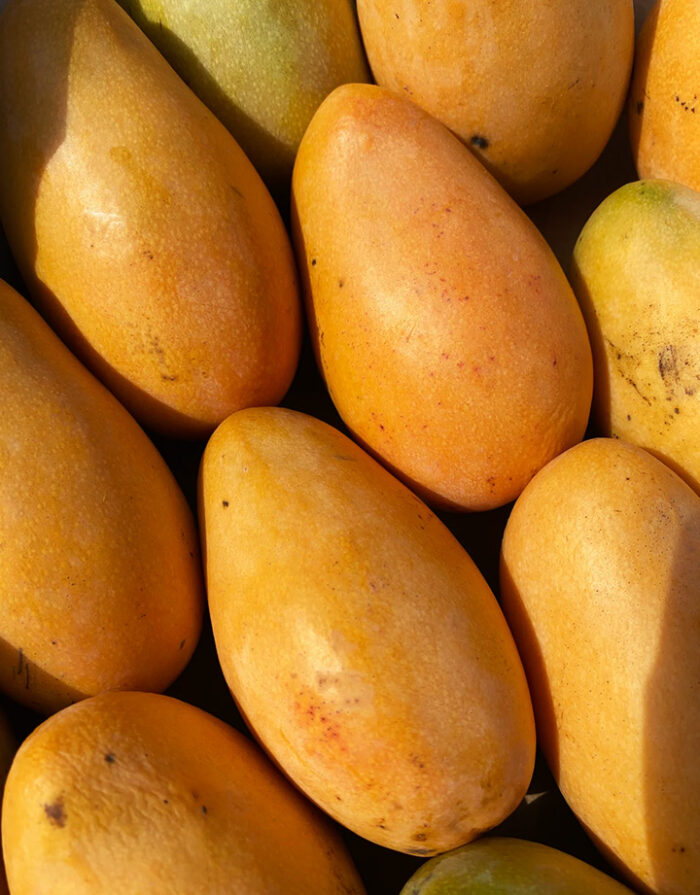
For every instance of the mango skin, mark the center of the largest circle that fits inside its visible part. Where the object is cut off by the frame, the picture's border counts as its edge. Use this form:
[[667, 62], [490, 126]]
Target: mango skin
[[449, 339], [501, 866], [263, 69], [8, 747], [360, 641], [603, 604], [636, 274], [100, 576], [533, 89], [663, 106], [142, 231], [140, 793]]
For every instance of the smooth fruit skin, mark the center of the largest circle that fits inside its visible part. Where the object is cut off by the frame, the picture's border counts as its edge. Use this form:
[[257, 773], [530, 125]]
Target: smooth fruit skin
[[262, 68], [140, 227], [360, 641], [499, 866], [534, 89], [636, 274], [100, 576], [450, 341], [599, 583], [8, 748], [664, 99], [142, 794]]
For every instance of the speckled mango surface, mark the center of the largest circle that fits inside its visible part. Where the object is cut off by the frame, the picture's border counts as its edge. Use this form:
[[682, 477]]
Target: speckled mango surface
[[140, 227], [360, 641]]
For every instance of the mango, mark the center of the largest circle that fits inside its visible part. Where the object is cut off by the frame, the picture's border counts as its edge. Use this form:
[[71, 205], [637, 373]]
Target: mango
[[533, 89], [663, 106], [360, 641], [449, 338], [599, 582], [141, 229], [501, 866], [100, 576], [262, 68], [140, 793], [636, 274], [7, 751]]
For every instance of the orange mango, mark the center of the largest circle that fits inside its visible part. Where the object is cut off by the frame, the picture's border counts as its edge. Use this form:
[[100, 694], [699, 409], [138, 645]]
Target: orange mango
[[449, 338], [141, 229], [360, 641], [100, 576]]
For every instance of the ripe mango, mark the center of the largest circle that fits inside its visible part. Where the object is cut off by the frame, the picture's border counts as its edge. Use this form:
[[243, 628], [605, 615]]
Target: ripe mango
[[100, 577], [664, 104], [139, 794], [450, 340], [499, 866], [636, 273], [262, 68], [600, 568], [141, 229], [534, 89], [360, 641]]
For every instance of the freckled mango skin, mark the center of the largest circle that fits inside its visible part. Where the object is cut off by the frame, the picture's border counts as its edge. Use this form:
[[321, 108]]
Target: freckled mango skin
[[141, 229], [451, 343], [599, 583], [100, 580], [499, 866], [664, 99], [143, 794], [262, 68], [534, 89], [636, 274], [358, 638]]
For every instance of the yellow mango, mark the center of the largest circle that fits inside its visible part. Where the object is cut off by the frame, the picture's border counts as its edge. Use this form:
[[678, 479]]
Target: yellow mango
[[664, 100], [449, 338], [7, 751], [360, 641], [534, 89], [140, 227], [636, 273], [142, 794], [100, 577], [262, 68], [600, 567]]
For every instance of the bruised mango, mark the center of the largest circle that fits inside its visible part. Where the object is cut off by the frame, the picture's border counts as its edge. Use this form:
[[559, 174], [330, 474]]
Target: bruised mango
[[140, 227], [140, 793], [449, 338], [100, 577], [362, 644], [600, 568], [636, 273]]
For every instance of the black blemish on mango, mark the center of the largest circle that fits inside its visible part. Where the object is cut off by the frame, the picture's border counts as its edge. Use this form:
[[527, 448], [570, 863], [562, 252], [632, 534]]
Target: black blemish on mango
[[639, 108], [55, 813], [110, 758], [224, 503], [479, 141]]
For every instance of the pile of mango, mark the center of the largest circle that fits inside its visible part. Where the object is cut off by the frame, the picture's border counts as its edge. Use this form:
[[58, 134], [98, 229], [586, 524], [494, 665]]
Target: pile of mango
[[350, 447]]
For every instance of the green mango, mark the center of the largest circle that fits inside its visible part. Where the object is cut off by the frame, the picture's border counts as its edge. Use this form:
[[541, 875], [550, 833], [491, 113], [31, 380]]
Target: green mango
[[499, 866], [262, 66]]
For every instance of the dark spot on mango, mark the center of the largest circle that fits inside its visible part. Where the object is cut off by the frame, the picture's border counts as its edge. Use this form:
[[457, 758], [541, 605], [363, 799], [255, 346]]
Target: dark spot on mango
[[110, 758], [224, 503], [55, 813], [479, 141], [639, 108]]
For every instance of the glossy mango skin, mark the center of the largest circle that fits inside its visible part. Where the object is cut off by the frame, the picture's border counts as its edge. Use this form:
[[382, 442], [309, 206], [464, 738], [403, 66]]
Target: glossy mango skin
[[534, 89], [599, 583], [262, 68], [140, 227], [663, 106], [100, 575], [501, 866], [141, 794], [360, 641], [636, 274], [450, 341]]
